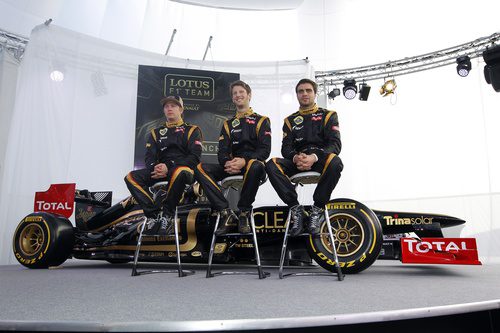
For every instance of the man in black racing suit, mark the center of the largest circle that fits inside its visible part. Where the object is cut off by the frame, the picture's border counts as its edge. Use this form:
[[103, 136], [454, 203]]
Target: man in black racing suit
[[244, 146], [172, 152], [311, 142]]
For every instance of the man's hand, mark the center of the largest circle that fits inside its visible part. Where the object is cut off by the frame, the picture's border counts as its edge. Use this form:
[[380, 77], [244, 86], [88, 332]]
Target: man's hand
[[304, 162], [235, 165], [160, 171]]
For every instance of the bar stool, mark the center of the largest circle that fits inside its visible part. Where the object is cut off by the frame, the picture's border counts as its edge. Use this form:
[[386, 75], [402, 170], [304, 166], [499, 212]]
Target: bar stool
[[235, 182], [158, 190], [301, 178]]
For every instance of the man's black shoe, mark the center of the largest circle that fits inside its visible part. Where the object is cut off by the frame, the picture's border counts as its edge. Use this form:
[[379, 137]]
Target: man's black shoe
[[166, 225], [244, 222], [316, 216], [151, 227], [296, 220], [227, 222]]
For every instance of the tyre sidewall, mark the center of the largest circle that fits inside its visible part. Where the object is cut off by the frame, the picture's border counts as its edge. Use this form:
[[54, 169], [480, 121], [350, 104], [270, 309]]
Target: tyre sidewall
[[368, 248], [58, 240]]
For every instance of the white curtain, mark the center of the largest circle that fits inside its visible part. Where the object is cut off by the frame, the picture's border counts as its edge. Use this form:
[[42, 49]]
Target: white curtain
[[8, 78], [81, 129]]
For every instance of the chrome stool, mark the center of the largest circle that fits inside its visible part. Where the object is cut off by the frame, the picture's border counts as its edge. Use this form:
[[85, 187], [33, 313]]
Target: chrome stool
[[301, 178], [158, 190], [236, 183]]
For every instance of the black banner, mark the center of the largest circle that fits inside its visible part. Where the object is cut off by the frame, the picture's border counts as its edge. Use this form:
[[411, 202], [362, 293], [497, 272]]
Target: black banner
[[207, 103]]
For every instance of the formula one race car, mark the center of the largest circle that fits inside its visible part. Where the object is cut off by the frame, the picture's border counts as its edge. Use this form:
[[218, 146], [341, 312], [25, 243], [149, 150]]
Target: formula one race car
[[109, 232]]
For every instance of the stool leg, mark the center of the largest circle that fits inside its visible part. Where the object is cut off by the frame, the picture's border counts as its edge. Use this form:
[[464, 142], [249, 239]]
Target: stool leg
[[138, 248], [177, 247], [212, 245], [334, 250], [285, 240], [256, 246]]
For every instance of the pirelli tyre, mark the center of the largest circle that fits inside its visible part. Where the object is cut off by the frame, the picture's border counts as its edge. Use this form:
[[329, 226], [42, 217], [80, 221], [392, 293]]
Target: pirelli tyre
[[358, 237], [42, 240]]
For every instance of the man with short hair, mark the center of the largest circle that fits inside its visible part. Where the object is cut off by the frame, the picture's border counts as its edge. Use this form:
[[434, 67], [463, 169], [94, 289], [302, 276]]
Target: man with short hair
[[311, 142], [172, 152], [244, 146]]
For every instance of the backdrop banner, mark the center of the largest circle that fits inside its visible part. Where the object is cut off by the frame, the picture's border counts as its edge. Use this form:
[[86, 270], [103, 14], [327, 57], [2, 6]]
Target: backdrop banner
[[206, 97]]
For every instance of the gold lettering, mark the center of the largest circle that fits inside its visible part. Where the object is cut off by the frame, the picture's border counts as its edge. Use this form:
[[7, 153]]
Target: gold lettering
[[278, 218]]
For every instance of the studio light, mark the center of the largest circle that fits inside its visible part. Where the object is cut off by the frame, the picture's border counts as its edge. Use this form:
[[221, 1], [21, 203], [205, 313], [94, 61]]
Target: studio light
[[463, 66], [364, 91], [56, 76], [350, 90], [388, 87], [492, 68], [334, 93]]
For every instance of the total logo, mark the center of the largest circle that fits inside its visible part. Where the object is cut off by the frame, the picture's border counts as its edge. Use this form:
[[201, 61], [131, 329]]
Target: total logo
[[414, 245], [396, 220], [50, 206]]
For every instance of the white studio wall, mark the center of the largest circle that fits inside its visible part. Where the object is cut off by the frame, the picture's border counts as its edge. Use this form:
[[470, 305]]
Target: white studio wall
[[78, 129]]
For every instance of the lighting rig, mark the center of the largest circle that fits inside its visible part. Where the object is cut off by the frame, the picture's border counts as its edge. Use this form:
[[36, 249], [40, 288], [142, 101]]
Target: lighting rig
[[13, 44], [487, 47]]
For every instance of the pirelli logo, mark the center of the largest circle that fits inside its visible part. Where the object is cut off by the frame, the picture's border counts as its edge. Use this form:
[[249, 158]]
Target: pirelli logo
[[341, 205], [190, 87]]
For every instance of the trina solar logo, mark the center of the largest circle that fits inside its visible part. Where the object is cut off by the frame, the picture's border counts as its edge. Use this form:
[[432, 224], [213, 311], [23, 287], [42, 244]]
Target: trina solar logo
[[396, 220], [190, 87]]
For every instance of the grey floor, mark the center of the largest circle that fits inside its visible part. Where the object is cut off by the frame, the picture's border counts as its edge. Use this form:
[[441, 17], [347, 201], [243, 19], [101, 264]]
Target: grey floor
[[102, 293]]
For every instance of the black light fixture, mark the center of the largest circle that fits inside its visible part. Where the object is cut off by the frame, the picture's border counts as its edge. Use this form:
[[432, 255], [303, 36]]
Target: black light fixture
[[492, 68], [334, 93], [463, 66], [350, 90], [364, 91]]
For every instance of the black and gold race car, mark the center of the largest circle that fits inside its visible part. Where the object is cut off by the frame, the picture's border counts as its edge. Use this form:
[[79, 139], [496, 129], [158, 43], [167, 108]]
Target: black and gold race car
[[102, 231]]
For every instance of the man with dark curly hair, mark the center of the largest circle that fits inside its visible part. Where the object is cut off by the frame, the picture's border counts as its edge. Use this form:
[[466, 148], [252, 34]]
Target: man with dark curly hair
[[244, 146]]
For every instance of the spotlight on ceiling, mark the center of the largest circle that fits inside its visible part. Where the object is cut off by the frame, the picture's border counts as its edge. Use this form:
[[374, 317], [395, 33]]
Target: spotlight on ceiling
[[388, 87], [334, 93], [492, 68], [364, 91], [463, 66], [350, 90]]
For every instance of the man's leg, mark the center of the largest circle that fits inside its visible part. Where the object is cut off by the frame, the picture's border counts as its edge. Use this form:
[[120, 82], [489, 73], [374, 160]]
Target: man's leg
[[254, 172], [330, 169], [138, 183], [178, 178], [208, 175], [279, 170]]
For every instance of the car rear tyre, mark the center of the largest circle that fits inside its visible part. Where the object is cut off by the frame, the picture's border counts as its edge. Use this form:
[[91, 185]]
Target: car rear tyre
[[42, 240]]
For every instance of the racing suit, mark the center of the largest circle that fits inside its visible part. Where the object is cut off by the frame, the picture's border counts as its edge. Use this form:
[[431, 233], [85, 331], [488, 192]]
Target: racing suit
[[246, 135], [179, 146], [312, 131]]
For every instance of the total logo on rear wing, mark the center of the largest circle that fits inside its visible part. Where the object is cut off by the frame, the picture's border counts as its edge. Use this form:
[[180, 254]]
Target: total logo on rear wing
[[455, 251], [58, 199]]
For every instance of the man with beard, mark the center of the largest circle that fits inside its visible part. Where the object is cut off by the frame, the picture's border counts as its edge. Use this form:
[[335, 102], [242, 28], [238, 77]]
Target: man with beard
[[311, 142]]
